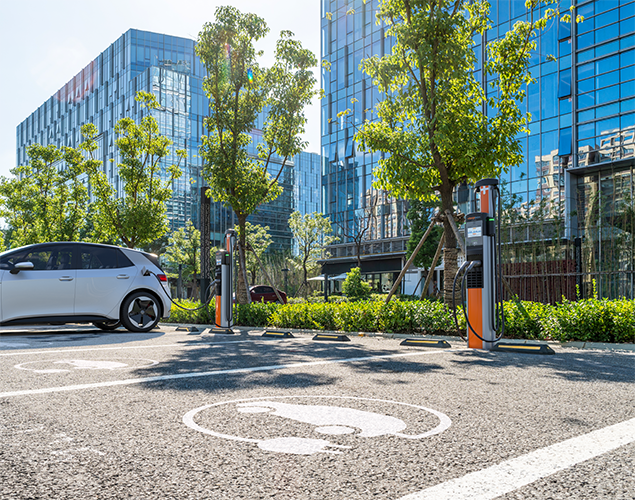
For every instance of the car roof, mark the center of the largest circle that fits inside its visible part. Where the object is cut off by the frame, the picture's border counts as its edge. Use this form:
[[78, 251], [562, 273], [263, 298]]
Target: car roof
[[35, 245]]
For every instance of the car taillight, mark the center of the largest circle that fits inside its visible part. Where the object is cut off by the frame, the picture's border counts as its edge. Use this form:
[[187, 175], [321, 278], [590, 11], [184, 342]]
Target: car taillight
[[162, 278]]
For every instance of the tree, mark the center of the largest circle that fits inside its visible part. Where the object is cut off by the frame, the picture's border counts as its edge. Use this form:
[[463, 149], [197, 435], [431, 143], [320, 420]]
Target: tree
[[431, 121], [47, 199], [257, 241], [157, 246], [311, 234], [354, 288], [240, 89], [184, 247], [359, 228], [139, 217]]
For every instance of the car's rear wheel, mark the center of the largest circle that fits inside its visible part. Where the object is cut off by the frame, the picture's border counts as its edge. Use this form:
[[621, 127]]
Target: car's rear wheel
[[108, 325], [140, 312]]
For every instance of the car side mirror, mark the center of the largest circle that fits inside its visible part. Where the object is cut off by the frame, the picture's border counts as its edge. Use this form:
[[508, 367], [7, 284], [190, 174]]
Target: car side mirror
[[22, 266]]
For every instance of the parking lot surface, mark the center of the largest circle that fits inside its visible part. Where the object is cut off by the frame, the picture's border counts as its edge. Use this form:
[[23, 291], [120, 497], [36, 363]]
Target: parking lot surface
[[171, 414]]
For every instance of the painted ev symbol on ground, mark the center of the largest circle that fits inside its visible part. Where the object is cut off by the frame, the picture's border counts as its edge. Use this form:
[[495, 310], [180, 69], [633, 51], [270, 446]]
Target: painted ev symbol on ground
[[67, 365], [305, 417]]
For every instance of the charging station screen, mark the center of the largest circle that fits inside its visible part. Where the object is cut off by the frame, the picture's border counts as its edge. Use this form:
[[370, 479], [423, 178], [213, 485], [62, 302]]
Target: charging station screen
[[475, 231]]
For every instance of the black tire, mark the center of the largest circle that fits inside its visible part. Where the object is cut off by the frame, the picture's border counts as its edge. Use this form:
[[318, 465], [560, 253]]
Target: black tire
[[140, 312], [108, 326]]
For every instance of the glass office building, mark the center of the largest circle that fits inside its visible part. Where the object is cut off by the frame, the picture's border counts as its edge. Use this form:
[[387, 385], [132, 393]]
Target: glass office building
[[104, 92], [348, 197], [577, 178]]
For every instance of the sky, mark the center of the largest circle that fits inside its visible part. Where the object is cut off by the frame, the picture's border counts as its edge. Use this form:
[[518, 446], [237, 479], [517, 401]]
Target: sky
[[44, 43]]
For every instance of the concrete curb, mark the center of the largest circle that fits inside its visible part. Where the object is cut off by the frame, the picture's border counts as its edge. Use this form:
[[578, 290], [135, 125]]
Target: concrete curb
[[574, 345], [600, 345]]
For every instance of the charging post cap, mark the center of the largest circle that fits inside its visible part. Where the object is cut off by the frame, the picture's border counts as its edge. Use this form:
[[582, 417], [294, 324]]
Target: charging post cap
[[486, 182]]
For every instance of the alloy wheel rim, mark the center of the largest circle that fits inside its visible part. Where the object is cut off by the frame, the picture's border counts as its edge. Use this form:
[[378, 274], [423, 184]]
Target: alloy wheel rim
[[142, 312]]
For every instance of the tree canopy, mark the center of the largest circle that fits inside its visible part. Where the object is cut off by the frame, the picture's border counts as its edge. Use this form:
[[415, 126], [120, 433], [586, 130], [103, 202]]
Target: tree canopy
[[311, 233], [47, 199], [139, 216], [240, 90], [432, 120], [184, 247]]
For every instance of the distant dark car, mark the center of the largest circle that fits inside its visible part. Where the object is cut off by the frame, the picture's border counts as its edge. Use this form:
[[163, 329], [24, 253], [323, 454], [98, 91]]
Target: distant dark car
[[263, 293]]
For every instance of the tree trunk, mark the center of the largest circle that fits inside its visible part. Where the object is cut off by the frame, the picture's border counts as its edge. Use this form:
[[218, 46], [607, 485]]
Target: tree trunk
[[194, 287], [449, 252], [242, 294]]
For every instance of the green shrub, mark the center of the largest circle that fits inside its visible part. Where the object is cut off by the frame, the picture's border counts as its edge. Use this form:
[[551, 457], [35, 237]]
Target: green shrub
[[590, 320], [201, 316], [594, 320], [304, 316], [254, 314], [519, 326], [354, 288]]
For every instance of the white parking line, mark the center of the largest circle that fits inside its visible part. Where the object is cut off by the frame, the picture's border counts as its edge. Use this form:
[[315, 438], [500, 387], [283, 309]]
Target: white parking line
[[177, 376], [518, 472]]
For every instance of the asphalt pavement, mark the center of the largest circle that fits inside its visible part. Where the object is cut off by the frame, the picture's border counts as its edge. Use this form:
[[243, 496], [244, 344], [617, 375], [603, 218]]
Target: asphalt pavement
[[193, 415]]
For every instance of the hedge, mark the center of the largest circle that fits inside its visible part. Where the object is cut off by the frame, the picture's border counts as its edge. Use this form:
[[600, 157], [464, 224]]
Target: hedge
[[590, 320]]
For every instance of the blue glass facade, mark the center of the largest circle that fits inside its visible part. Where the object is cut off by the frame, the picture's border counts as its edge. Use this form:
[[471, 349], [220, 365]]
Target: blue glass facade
[[104, 92], [347, 173], [580, 149]]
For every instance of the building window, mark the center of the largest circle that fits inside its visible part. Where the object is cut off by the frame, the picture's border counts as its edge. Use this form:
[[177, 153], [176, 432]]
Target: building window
[[564, 142], [564, 84]]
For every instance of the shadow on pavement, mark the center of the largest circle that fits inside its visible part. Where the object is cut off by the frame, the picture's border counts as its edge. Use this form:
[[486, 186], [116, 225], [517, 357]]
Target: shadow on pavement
[[570, 365], [262, 353], [45, 337]]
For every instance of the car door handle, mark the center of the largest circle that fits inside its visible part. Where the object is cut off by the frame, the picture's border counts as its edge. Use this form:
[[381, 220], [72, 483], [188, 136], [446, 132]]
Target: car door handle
[[122, 276], [66, 278]]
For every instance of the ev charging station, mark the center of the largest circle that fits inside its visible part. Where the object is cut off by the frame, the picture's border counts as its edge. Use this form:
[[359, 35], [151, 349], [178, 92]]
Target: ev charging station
[[481, 282], [224, 284]]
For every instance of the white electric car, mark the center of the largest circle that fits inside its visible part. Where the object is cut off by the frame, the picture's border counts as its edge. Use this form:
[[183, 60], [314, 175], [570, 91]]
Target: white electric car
[[68, 282]]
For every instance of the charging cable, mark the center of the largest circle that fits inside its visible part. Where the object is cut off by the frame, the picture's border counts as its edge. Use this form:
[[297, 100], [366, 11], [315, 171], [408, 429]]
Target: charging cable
[[206, 304]]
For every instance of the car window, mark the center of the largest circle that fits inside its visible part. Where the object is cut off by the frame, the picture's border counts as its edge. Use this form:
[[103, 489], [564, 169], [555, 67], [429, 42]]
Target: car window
[[122, 260], [10, 260], [50, 258], [267, 289], [99, 257]]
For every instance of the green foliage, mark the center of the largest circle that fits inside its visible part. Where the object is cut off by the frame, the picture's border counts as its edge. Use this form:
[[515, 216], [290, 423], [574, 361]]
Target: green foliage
[[431, 120], [311, 233], [254, 314], [594, 320], [184, 247], [204, 316], [239, 89], [305, 316], [519, 326], [47, 200], [139, 217], [354, 288]]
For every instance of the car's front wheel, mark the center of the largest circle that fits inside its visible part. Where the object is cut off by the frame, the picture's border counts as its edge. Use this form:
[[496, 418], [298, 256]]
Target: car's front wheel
[[108, 325], [140, 312]]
